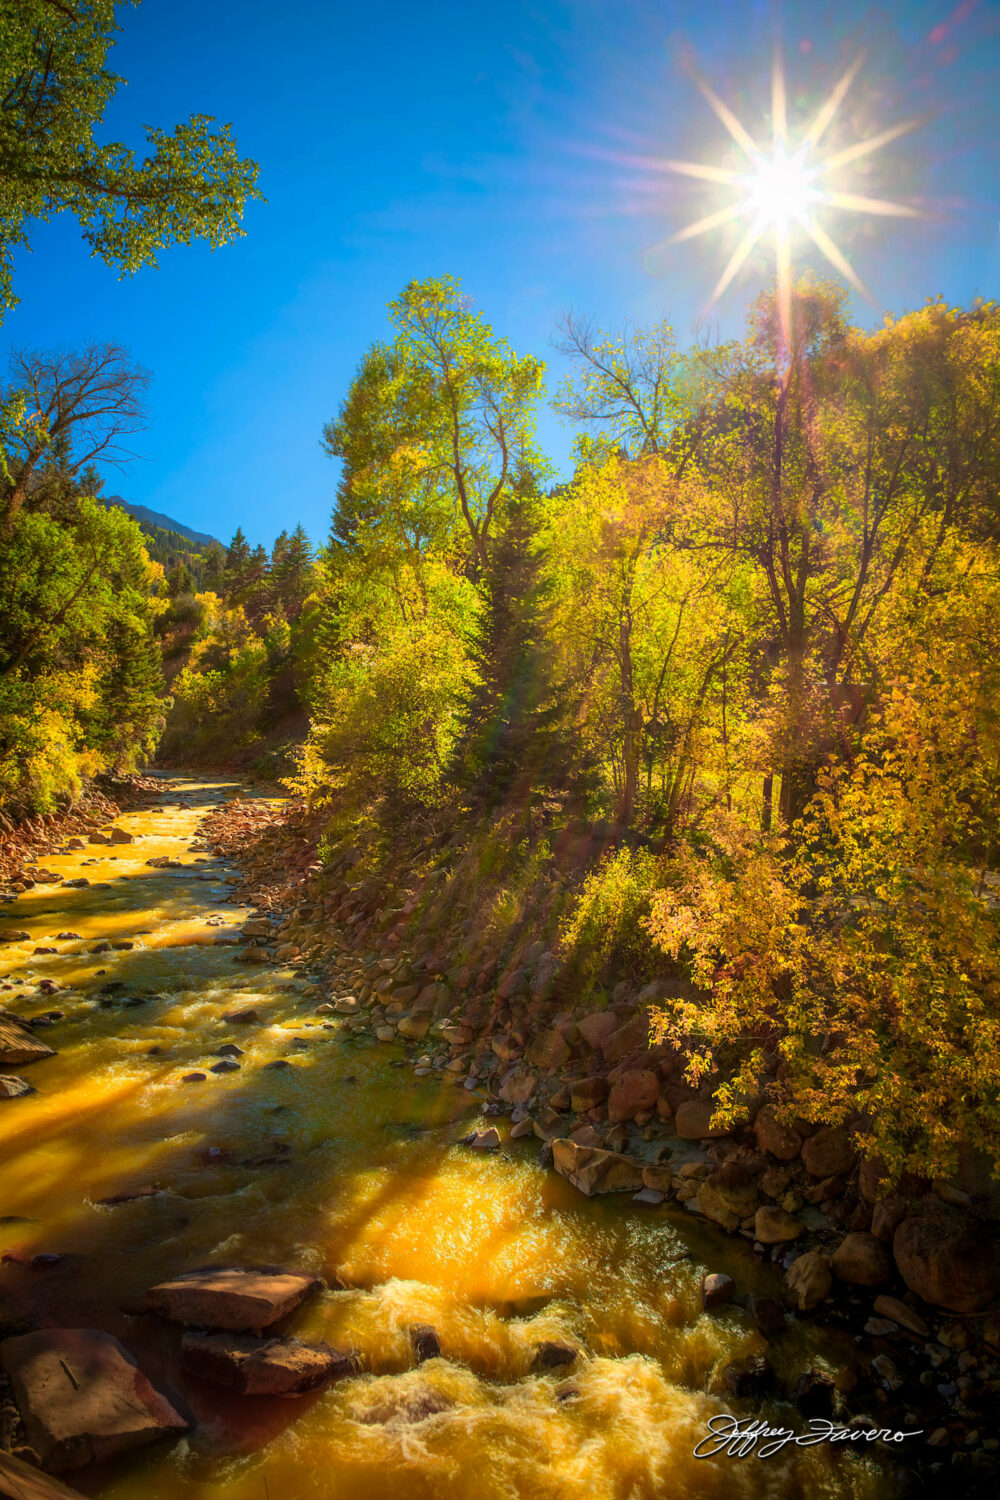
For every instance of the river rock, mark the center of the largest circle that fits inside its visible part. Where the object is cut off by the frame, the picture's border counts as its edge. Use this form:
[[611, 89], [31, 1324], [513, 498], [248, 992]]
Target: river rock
[[862, 1260], [484, 1140], [552, 1354], [901, 1313], [15, 935], [254, 956], [780, 1140], [550, 1051], [264, 1367], [597, 1028], [257, 927], [21, 1481], [828, 1153], [595, 1171], [240, 1299], [425, 1341], [631, 1038], [18, 1045], [82, 1396], [227, 1065], [693, 1121], [414, 1027], [586, 1093], [887, 1215], [728, 1195], [635, 1091], [948, 1258], [241, 1017], [121, 836], [518, 1085], [768, 1315], [12, 1087], [658, 1177], [773, 1226], [808, 1279], [717, 1290]]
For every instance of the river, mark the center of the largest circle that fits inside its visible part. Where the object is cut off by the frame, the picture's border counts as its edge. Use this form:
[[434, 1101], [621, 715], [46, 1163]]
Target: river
[[344, 1164]]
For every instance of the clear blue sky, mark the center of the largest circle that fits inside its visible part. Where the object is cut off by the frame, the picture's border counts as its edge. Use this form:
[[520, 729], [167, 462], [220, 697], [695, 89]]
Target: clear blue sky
[[501, 143]]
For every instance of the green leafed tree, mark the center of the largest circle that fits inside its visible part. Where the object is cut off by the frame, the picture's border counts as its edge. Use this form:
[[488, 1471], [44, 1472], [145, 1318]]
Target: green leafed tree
[[54, 88], [434, 429]]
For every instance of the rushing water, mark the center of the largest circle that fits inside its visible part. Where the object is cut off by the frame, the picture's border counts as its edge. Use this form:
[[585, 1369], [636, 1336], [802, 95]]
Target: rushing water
[[344, 1164]]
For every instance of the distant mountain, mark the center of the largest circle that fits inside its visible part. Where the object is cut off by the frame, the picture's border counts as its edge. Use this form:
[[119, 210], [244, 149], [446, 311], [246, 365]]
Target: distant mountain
[[157, 520]]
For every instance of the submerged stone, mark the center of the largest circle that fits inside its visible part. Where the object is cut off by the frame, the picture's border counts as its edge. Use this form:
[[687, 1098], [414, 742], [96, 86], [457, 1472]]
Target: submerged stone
[[264, 1367]]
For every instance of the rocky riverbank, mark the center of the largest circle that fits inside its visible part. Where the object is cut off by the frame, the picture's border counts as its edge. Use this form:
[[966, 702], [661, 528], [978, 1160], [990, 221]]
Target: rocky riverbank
[[912, 1271]]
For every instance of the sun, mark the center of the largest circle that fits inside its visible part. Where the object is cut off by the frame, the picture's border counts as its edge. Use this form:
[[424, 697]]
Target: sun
[[785, 187]]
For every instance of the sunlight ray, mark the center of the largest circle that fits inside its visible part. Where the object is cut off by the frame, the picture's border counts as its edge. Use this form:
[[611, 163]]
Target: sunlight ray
[[871, 205], [836, 99], [833, 253], [779, 112], [865, 148], [702, 226], [741, 136], [698, 169], [738, 256]]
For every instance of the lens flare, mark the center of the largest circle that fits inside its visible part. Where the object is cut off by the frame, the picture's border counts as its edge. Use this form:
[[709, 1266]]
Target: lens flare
[[785, 190]]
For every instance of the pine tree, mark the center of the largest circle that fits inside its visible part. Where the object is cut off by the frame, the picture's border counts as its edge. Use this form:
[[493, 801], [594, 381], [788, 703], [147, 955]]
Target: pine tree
[[510, 740], [293, 571], [213, 568], [237, 565], [179, 580]]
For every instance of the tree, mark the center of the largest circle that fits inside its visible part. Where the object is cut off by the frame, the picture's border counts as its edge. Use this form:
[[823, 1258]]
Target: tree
[[292, 571], [435, 426], [179, 580], [508, 730], [54, 88], [238, 558], [79, 407]]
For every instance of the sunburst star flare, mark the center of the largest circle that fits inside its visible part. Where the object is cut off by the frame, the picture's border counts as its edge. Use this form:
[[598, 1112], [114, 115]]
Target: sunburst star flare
[[783, 188]]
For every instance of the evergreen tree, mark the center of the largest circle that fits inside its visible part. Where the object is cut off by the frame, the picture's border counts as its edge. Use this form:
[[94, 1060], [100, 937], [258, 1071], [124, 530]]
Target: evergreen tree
[[237, 566], [179, 580], [213, 570], [509, 739], [293, 571]]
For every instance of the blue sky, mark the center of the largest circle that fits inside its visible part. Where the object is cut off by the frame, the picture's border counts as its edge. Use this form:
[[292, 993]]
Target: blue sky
[[507, 145]]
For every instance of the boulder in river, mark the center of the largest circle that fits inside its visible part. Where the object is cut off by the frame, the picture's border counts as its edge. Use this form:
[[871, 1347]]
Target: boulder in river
[[553, 1354], [426, 1344], [595, 1171], [717, 1290], [18, 1045], [82, 1396], [264, 1367], [121, 836], [241, 1017], [773, 1226], [241, 1299], [12, 1087], [808, 1279]]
